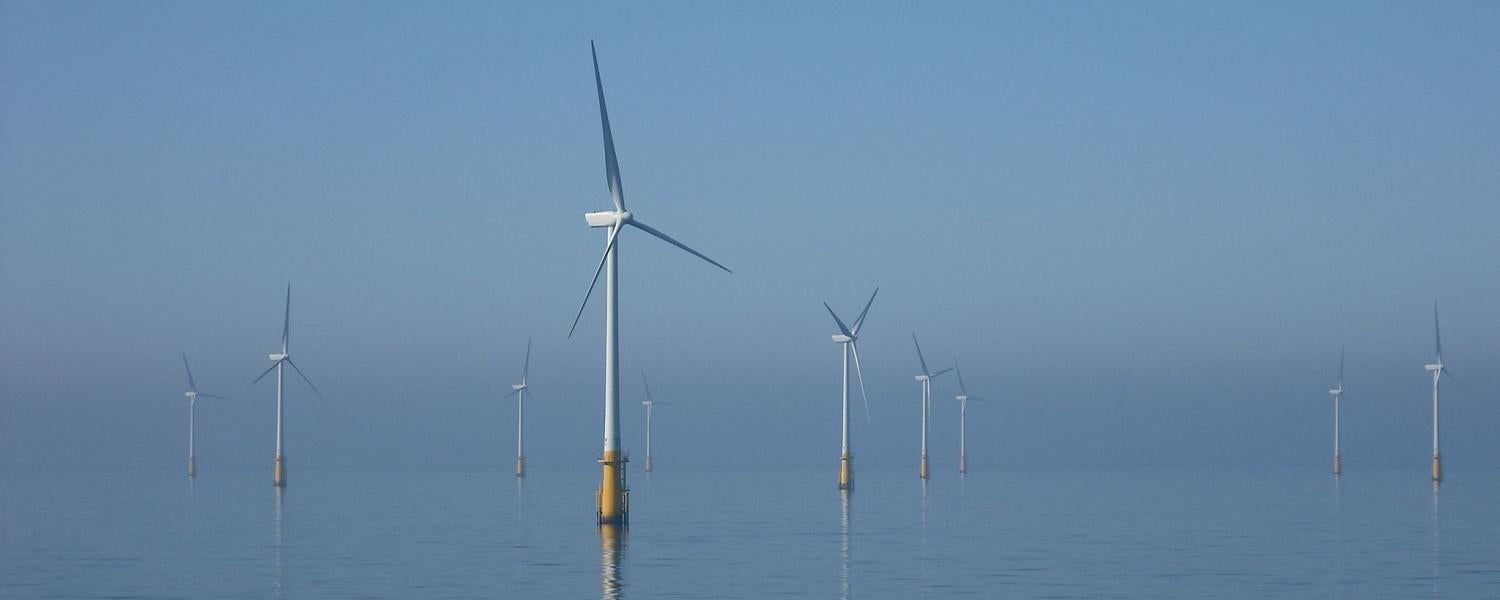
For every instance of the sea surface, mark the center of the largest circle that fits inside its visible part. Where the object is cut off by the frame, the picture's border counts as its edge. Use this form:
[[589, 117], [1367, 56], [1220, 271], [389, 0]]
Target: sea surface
[[749, 533]]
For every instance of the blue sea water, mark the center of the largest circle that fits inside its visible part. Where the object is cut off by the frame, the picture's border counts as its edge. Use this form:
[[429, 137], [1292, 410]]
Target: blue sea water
[[749, 533]]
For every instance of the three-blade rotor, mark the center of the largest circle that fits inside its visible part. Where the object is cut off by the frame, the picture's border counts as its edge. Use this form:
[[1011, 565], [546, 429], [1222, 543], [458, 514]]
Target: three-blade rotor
[[850, 336], [193, 385], [524, 387], [620, 217], [925, 372], [285, 356]]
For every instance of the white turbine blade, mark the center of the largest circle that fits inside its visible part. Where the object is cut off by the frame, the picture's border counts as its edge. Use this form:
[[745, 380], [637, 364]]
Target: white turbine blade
[[919, 356], [611, 164], [1438, 331], [526, 366], [1341, 367], [860, 322], [213, 396], [1449, 373], [286, 320], [935, 375], [513, 392], [668, 239], [191, 384], [842, 329], [961, 387], [861, 373], [614, 232], [646, 385], [304, 378], [265, 372]]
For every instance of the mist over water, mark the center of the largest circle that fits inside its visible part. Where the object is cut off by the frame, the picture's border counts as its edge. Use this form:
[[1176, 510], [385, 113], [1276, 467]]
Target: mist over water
[[749, 533]]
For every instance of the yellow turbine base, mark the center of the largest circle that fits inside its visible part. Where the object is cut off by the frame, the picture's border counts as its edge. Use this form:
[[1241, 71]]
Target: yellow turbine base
[[846, 472], [278, 476], [192, 467], [922, 468], [1338, 466], [963, 464], [1437, 468], [612, 502], [520, 466]]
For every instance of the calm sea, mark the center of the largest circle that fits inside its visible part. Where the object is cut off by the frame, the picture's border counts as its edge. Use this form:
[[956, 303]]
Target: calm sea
[[750, 533]]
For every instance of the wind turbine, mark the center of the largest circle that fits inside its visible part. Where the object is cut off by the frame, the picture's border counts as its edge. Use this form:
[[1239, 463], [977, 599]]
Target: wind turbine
[[612, 499], [1437, 369], [192, 397], [649, 403], [848, 337], [278, 476], [925, 378], [520, 390], [963, 398], [1338, 394]]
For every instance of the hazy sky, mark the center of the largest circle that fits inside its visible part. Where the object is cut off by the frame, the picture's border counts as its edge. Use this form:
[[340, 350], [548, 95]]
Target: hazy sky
[[1143, 228]]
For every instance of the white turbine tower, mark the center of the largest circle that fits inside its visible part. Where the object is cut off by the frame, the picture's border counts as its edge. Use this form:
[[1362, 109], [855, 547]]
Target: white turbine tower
[[278, 475], [612, 500], [192, 397], [963, 398], [848, 337], [1338, 394], [520, 391], [1437, 369], [925, 378], [649, 403]]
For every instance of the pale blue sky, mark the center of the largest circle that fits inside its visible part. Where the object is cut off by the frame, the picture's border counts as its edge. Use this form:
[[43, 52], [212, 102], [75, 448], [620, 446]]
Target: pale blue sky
[[1145, 228]]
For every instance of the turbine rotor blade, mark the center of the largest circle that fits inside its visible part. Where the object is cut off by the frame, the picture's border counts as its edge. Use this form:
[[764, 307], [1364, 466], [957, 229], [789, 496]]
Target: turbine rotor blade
[[961, 387], [647, 386], [265, 373], [1438, 330], [668, 239], [614, 232], [512, 393], [1454, 379], [935, 375], [611, 163], [919, 356], [191, 384], [304, 378], [526, 366], [213, 396], [286, 320], [1341, 367], [842, 328], [860, 322], [861, 373]]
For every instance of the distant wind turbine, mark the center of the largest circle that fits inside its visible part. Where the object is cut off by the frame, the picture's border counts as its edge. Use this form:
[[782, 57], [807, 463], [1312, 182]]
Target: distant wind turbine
[[649, 403], [613, 494], [1338, 394], [278, 476], [520, 391], [925, 378], [192, 397], [847, 337], [963, 398], [1437, 369]]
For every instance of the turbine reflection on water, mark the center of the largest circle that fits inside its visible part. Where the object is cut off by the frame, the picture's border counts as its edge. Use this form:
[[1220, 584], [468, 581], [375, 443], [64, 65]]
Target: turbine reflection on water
[[844, 587], [612, 551], [276, 543]]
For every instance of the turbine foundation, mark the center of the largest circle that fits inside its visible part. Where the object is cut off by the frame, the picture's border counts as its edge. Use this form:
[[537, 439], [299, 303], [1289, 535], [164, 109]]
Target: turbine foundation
[[922, 468], [520, 466], [192, 467], [846, 471], [613, 501], [963, 464], [278, 476], [1337, 465], [1437, 468]]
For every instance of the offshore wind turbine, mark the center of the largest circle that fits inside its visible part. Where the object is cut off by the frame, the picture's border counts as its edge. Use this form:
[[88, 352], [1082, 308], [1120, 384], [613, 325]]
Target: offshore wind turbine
[[1437, 369], [963, 398], [649, 403], [278, 359], [847, 337], [1338, 394], [520, 390], [612, 500], [192, 397], [925, 378]]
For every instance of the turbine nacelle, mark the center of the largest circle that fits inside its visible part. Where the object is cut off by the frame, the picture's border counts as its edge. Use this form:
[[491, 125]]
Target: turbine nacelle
[[923, 378], [1435, 367], [1336, 392], [607, 218], [961, 398], [277, 357], [839, 338], [190, 395], [518, 387]]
